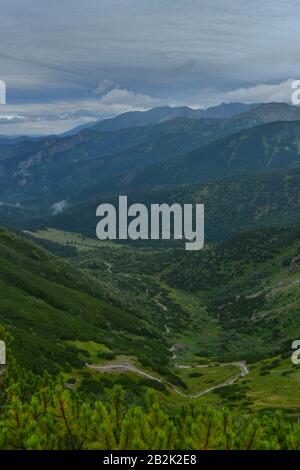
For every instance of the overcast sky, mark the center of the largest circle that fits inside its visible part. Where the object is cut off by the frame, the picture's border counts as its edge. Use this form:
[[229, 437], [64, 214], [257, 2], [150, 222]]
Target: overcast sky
[[66, 62]]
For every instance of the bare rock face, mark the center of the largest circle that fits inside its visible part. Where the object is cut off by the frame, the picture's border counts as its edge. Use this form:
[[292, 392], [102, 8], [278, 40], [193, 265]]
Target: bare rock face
[[295, 265]]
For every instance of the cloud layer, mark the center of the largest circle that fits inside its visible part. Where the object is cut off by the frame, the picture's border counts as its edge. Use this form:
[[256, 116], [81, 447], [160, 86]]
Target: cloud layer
[[68, 62]]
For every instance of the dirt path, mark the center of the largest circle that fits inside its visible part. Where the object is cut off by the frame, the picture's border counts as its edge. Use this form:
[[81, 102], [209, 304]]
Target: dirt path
[[127, 367], [243, 371], [162, 306], [172, 350], [131, 368], [123, 368], [108, 265]]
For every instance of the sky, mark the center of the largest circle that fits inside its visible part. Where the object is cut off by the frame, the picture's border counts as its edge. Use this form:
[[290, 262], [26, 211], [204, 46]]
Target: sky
[[69, 62]]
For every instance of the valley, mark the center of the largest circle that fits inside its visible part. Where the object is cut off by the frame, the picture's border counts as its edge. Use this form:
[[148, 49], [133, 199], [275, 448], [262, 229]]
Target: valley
[[209, 329], [263, 340]]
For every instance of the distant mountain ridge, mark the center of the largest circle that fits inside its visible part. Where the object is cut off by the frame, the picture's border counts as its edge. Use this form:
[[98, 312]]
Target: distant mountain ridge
[[174, 152], [162, 114], [264, 112]]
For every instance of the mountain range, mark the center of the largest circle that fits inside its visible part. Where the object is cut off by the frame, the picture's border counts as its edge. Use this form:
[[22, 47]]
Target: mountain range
[[163, 114], [150, 156]]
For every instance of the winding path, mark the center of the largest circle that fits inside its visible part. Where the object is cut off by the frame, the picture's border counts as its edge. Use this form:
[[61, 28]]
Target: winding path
[[127, 367], [131, 368]]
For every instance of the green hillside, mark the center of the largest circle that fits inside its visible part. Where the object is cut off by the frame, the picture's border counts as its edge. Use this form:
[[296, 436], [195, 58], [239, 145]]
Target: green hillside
[[273, 146], [231, 205], [47, 304], [248, 284]]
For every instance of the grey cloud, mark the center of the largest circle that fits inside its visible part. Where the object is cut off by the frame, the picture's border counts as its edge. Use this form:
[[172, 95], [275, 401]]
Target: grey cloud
[[104, 86], [136, 53]]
